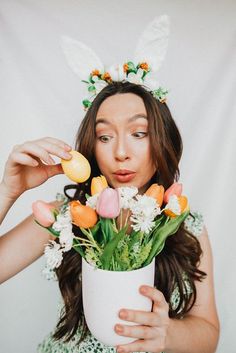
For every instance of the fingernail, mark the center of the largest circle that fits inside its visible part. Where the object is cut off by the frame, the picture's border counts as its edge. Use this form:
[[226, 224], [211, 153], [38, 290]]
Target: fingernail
[[143, 290], [120, 350], [119, 328], [66, 155], [68, 148], [123, 314]]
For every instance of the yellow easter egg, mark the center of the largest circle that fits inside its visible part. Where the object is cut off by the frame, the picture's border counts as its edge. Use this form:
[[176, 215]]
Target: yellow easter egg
[[77, 168]]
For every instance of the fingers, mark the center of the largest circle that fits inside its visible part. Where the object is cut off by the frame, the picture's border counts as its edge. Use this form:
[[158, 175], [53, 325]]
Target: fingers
[[141, 317], [41, 149], [136, 331], [141, 345], [156, 296], [24, 159]]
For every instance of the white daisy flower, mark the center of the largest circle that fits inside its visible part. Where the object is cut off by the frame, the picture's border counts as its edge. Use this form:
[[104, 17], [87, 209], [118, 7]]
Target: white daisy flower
[[173, 205], [126, 196], [142, 223], [92, 201], [146, 206], [144, 210], [53, 254], [66, 238]]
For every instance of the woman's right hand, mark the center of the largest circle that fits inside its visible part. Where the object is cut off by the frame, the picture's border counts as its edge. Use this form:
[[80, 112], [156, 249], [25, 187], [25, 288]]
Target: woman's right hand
[[26, 169]]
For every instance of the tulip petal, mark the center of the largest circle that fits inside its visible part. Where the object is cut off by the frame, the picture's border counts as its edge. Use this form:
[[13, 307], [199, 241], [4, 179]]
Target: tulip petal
[[43, 213]]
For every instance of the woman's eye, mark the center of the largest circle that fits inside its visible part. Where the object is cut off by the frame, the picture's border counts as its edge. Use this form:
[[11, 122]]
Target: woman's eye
[[140, 134], [104, 138]]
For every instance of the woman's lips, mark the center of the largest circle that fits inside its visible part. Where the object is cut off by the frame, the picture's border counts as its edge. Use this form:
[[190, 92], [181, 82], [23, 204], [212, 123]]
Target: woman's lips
[[124, 176]]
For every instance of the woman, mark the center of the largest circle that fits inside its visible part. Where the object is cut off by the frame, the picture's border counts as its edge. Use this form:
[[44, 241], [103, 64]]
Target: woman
[[130, 137]]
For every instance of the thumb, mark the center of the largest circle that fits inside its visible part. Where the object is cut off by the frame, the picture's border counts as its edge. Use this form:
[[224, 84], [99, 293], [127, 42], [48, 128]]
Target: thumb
[[54, 170]]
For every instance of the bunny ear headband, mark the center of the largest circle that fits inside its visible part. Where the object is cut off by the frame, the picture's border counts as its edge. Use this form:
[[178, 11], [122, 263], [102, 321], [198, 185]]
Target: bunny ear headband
[[148, 57]]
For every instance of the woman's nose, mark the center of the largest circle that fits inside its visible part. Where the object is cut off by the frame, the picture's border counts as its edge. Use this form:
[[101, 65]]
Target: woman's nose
[[121, 151]]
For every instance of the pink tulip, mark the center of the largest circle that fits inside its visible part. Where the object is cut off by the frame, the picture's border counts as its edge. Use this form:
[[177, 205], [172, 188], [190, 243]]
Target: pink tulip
[[43, 213], [174, 189], [108, 204]]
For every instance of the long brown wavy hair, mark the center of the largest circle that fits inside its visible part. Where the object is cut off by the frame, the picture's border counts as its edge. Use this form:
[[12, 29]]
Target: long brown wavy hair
[[181, 255]]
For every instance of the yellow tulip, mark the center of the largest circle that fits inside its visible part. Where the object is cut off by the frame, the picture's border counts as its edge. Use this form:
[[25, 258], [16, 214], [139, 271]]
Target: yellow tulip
[[98, 184]]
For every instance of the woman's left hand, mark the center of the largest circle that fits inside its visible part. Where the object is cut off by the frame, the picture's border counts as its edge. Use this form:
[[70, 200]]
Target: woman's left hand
[[152, 327]]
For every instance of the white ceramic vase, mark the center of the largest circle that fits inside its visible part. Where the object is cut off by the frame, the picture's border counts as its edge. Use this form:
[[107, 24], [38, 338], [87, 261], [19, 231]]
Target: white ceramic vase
[[106, 292]]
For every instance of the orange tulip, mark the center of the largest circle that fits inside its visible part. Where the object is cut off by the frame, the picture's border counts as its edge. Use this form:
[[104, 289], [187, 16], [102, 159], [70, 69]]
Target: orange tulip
[[98, 184], [82, 216], [157, 192], [183, 204]]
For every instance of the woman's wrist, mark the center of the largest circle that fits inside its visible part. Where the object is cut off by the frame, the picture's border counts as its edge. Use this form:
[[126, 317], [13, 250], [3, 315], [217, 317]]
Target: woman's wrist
[[168, 344], [6, 201]]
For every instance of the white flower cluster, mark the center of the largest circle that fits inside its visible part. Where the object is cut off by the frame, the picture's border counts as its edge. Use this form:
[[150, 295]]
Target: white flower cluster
[[173, 205], [54, 251], [126, 196], [144, 210]]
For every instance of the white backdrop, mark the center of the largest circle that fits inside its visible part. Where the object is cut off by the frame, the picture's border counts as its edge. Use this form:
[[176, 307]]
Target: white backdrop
[[40, 96]]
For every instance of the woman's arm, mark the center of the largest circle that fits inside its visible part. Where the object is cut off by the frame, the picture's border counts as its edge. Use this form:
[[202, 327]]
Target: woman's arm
[[156, 332], [199, 330], [21, 246], [28, 166]]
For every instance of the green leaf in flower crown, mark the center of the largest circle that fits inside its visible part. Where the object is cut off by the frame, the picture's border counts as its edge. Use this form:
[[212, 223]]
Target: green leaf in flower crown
[[131, 67], [162, 232], [86, 103], [110, 248], [91, 88]]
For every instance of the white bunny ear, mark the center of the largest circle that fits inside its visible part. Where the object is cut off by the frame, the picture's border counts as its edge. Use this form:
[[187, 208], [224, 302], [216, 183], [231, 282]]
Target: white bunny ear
[[81, 59], [152, 45]]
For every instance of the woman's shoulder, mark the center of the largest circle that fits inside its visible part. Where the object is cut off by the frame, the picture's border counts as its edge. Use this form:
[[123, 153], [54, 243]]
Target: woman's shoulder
[[194, 223]]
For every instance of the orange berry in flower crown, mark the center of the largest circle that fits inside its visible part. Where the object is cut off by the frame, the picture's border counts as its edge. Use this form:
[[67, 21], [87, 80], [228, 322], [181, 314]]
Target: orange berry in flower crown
[[77, 168]]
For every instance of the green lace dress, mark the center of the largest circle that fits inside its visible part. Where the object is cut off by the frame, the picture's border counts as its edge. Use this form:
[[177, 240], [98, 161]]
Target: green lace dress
[[91, 344]]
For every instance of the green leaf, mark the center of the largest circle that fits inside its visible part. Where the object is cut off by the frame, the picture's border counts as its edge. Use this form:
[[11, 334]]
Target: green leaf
[[160, 235], [107, 229], [110, 248], [91, 88], [86, 103], [77, 247], [50, 229], [95, 232]]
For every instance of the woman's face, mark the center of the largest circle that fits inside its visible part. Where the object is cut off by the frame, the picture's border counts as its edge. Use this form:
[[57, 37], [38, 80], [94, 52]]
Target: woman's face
[[122, 146]]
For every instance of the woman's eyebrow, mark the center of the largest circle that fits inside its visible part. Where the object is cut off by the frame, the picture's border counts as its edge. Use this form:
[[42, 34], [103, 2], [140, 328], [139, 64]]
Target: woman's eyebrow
[[131, 119]]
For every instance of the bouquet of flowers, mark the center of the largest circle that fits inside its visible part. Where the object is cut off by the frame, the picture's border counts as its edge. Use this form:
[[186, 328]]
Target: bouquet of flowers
[[118, 229]]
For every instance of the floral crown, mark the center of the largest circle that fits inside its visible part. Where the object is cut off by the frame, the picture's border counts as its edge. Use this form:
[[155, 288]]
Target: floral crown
[[142, 69], [138, 74]]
